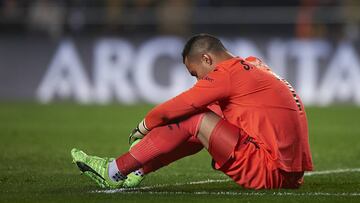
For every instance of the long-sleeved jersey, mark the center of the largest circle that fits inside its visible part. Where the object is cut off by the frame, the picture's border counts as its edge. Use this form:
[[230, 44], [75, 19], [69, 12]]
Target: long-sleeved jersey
[[254, 99]]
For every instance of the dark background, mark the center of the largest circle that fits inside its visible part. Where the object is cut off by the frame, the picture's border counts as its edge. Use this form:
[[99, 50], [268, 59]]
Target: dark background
[[31, 32]]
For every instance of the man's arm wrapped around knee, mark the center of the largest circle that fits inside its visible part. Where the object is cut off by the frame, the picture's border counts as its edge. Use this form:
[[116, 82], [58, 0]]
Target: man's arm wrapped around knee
[[212, 88]]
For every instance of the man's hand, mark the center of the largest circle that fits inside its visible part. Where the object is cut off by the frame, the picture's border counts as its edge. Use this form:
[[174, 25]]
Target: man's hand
[[135, 135], [139, 132]]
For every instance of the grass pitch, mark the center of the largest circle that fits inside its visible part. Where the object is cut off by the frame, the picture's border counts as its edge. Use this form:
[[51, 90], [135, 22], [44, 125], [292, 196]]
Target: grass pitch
[[35, 162]]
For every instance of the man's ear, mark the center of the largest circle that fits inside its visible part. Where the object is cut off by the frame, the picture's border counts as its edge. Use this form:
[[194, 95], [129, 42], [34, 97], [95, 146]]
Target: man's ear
[[207, 59]]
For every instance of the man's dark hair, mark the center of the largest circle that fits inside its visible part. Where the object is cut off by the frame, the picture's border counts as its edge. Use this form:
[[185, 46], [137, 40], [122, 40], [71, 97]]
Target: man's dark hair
[[202, 43]]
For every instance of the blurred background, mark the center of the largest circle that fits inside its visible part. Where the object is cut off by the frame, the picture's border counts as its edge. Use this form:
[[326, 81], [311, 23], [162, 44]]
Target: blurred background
[[128, 52]]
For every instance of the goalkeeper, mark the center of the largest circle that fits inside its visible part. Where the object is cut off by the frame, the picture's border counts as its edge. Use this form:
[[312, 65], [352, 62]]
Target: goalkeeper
[[252, 123]]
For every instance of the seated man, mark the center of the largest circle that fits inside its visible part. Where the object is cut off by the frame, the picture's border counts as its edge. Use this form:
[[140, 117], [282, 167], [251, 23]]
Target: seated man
[[252, 123]]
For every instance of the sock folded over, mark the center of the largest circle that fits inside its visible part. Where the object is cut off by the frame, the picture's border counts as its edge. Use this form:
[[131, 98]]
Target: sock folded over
[[122, 166]]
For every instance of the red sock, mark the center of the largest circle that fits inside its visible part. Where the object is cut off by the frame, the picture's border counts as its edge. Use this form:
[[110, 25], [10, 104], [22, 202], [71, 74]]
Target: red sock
[[159, 141], [126, 164], [190, 147]]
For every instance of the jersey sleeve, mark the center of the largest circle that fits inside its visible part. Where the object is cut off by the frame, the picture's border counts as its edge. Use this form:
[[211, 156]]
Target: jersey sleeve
[[213, 87]]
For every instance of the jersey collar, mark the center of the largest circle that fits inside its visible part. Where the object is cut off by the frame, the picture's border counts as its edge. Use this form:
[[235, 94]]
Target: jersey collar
[[228, 62]]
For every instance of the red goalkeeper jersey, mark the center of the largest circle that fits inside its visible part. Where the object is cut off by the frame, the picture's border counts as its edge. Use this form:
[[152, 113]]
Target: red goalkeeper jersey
[[253, 98]]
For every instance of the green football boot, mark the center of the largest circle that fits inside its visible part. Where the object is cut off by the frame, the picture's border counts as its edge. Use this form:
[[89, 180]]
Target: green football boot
[[134, 179], [95, 168]]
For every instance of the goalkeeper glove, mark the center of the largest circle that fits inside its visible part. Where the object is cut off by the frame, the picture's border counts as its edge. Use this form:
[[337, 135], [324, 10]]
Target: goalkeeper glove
[[139, 132]]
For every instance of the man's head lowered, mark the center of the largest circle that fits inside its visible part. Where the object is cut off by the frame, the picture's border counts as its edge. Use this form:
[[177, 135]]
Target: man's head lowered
[[202, 52]]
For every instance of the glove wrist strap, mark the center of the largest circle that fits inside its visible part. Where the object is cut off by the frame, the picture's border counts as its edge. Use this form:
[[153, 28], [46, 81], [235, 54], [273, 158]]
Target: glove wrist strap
[[142, 128]]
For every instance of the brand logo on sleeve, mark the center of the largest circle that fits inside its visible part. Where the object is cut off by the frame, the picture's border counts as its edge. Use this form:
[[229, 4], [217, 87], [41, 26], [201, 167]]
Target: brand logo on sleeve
[[208, 79]]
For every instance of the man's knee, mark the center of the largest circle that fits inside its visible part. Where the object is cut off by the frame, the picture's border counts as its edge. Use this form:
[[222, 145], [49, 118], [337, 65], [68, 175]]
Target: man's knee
[[200, 125], [207, 125], [191, 124], [221, 140]]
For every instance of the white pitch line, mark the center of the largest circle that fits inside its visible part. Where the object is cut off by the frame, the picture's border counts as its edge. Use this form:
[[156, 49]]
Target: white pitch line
[[163, 185], [347, 170], [140, 189], [245, 193]]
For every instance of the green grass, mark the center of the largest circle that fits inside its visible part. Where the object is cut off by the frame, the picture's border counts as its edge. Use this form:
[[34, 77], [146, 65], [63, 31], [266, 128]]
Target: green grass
[[35, 162]]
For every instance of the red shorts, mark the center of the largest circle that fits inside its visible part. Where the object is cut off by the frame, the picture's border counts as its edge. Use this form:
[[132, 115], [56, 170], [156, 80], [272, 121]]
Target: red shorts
[[251, 165]]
